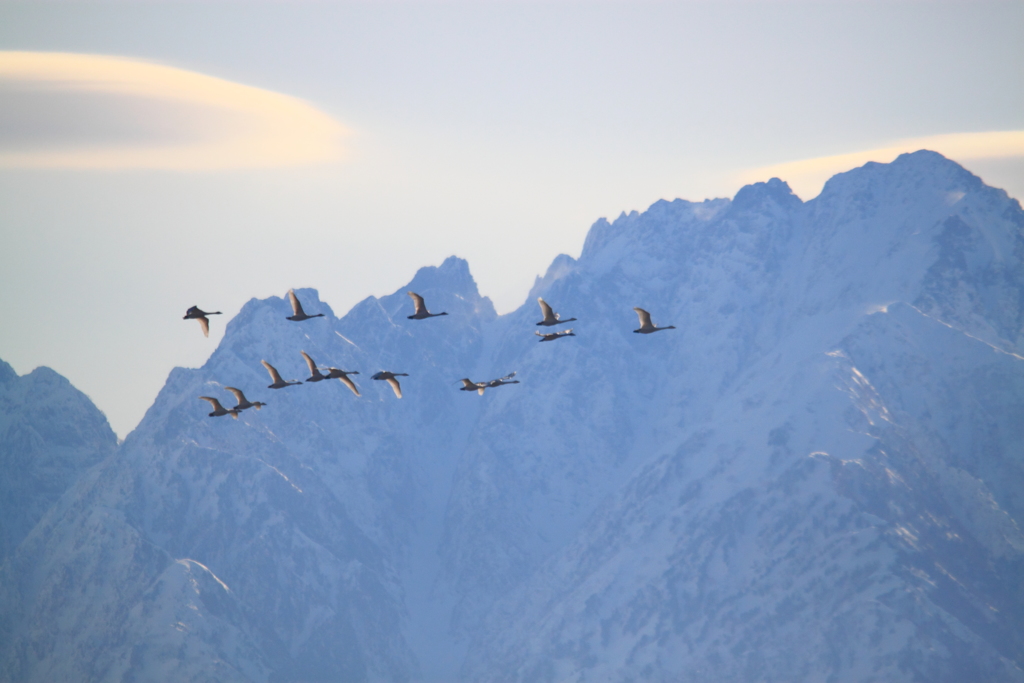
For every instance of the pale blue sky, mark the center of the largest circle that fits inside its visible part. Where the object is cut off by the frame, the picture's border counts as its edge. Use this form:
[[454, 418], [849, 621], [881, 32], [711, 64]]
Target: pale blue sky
[[495, 131]]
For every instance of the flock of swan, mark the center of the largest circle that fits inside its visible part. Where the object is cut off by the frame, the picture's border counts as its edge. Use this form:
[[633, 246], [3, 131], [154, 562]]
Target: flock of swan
[[421, 313]]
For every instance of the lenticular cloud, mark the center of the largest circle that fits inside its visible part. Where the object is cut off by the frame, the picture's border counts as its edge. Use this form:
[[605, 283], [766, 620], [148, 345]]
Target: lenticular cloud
[[64, 110]]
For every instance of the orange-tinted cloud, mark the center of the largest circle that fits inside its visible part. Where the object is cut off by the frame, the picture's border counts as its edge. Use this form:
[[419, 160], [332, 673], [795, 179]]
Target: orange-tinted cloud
[[65, 110]]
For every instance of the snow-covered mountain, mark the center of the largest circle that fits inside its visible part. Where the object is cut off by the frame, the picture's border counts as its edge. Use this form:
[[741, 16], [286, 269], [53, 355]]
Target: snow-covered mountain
[[816, 475], [50, 434]]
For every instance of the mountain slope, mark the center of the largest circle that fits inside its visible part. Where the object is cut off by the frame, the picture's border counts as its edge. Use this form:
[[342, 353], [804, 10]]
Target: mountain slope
[[50, 433], [831, 487], [815, 476]]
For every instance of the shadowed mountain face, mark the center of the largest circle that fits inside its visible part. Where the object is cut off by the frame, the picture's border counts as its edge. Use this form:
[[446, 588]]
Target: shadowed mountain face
[[816, 475], [50, 433]]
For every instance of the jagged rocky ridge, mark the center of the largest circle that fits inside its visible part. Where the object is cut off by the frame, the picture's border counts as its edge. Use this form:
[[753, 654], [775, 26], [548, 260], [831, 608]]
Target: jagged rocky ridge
[[816, 476]]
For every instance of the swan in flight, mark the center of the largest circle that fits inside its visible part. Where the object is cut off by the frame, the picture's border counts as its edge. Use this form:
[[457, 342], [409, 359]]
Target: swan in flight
[[276, 376], [299, 314], [421, 308], [646, 326], [218, 409], [195, 314], [314, 371], [551, 336], [470, 385], [389, 377], [507, 379], [478, 387], [242, 401], [342, 376], [550, 317]]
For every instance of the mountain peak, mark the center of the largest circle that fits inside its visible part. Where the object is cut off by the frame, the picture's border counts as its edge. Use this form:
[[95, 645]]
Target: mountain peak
[[50, 434], [452, 275], [559, 268], [7, 373], [654, 225], [923, 170], [755, 196]]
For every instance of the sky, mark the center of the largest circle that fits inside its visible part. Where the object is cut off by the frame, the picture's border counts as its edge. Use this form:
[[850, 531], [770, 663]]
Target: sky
[[159, 155]]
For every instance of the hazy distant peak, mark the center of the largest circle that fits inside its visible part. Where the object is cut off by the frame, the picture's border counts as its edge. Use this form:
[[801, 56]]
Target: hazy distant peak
[[911, 173], [311, 302], [41, 379], [926, 160], [452, 275], [758, 195], [559, 268], [277, 307], [7, 373], [50, 433], [661, 216], [656, 228], [449, 287], [44, 374]]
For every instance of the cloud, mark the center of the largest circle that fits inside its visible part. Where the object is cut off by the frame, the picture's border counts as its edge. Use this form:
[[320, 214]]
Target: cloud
[[62, 110], [808, 176]]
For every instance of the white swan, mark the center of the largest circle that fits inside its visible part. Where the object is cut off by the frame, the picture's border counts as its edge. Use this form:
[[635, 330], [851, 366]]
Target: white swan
[[242, 401], [298, 313], [314, 371], [276, 377], [218, 409], [646, 326], [550, 317], [390, 378], [421, 308], [342, 376]]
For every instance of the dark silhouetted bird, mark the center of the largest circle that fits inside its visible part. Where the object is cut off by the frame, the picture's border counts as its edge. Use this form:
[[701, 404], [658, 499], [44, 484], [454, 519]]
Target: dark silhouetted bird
[[552, 336], [478, 387], [195, 314]]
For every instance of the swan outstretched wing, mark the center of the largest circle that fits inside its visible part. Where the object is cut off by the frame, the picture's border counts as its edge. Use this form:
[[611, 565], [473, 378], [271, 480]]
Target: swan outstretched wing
[[508, 376], [539, 334], [213, 402], [204, 323], [546, 310], [239, 396], [296, 306], [275, 376], [645, 317], [350, 384], [418, 302], [467, 383], [309, 362], [396, 386]]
